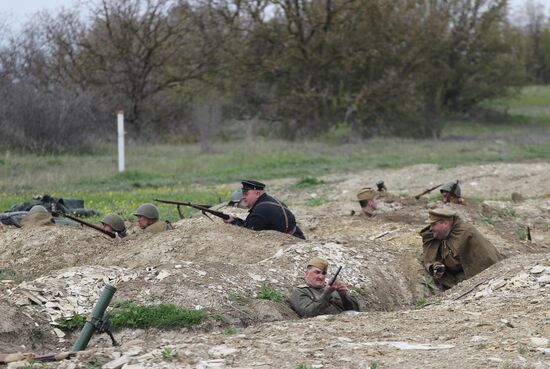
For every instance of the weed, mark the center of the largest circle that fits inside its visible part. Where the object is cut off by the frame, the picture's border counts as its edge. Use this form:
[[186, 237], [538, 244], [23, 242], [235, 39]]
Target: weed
[[71, 324], [373, 365], [357, 290], [219, 318], [420, 301], [167, 316], [316, 201], [308, 182], [168, 353], [302, 366], [269, 293], [429, 283], [522, 350], [93, 365], [521, 233], [505, 366], [230, 331], [37, 338], [29, 364], [238, 298]]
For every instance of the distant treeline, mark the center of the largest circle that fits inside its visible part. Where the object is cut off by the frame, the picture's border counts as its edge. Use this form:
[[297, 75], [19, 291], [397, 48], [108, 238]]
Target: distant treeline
[[208, 69]]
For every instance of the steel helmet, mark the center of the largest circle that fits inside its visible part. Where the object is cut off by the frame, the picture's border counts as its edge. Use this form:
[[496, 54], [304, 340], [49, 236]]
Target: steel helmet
[[447, 187], [148, 210], [115, 221], [38, 209]]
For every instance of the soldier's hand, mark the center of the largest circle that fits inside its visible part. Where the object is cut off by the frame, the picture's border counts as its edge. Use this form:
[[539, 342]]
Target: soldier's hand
[[117, 237], [439, 270], [229, 220], [340, 287]]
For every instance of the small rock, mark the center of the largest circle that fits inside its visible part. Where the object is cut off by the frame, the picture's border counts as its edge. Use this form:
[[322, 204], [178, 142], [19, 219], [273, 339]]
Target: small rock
[[544, 279], [117, 363], [539, 341], [17, 364], [163, 274], [211, 364], [537, 269], [221, 351], [133, 366], [133, 351], [478, 339], [59, 333]]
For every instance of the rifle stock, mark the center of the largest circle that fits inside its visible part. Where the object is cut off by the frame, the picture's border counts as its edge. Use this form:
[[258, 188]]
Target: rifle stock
[[428, 191], [202, 208]]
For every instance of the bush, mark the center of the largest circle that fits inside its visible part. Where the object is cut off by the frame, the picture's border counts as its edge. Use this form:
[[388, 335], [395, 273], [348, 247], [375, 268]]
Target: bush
[[269, 293], [167, 316]]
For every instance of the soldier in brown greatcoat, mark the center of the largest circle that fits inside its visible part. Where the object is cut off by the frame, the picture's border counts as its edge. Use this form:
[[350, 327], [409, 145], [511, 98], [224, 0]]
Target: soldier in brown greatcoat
[[454, 250], [316, 297]]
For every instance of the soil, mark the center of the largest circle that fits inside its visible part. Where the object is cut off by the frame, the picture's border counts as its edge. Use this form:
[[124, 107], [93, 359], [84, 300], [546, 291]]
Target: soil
[[502, 319]]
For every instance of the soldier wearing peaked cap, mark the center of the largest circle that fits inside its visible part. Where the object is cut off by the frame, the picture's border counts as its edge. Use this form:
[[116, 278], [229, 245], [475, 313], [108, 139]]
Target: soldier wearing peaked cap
[[266, 212], [315, 297], [454, 250]]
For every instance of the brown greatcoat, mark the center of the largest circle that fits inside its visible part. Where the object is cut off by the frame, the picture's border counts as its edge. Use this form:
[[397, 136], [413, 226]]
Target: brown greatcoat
[[37, 219], [158, 227], [465, 252]]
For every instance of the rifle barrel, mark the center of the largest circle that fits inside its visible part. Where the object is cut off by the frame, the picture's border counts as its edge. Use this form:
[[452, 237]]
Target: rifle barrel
[[202, 208], [333, 279], [428, 191], [83, 222]]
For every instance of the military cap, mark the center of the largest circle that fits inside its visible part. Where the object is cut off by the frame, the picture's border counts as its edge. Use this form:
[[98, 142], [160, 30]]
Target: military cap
[[441, 214], [366, 193], [318, 263], [38, 209], [252, 185]]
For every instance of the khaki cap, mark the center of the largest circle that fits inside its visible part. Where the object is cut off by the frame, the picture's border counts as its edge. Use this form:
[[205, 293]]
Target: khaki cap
[[366, 193], [440, 214], [318, 263]]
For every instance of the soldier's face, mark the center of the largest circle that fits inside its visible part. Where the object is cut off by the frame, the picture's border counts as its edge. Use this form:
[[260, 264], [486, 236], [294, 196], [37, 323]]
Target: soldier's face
[[107, 227], [315, 277], [250, 197], [441, 229], [143, 221]]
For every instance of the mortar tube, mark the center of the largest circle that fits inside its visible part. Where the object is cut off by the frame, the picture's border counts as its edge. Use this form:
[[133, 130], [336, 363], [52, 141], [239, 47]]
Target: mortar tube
[[97, 313]]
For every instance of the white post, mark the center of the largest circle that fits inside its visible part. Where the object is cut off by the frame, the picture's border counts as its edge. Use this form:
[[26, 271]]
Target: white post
[[120, 121]]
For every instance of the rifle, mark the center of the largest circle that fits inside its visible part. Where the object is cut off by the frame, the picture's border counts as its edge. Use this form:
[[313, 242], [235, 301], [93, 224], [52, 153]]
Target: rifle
[[83, 222], [202, 208], [428, 191], [333, 279]]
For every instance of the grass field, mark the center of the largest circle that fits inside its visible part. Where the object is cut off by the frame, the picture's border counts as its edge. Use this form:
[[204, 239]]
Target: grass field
[[183, 172]]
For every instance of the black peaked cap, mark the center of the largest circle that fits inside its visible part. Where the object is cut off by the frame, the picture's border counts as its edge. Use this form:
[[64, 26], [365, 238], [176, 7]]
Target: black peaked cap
[[252, 185]]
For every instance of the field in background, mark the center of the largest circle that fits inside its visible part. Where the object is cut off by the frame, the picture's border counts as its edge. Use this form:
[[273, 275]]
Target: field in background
[[183, 172]]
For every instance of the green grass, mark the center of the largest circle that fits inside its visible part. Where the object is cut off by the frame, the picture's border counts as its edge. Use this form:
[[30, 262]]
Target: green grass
[[71, 324], [164, 316], [269, 293]]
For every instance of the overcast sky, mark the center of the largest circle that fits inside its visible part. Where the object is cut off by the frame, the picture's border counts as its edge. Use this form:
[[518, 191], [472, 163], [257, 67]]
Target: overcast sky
[[16, 12]]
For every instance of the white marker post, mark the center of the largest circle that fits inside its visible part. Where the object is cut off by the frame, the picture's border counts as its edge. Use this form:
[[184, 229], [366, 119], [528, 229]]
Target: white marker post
[[120, 121]]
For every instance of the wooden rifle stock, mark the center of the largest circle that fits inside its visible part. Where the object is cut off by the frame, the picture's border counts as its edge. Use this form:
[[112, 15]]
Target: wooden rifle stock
[[428, 191], [202, 208]]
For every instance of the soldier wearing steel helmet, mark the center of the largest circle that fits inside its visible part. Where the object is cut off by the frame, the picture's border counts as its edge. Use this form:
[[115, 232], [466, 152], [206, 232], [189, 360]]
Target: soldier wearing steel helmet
[[114, 223], [451, 194], [148, 216], [38, 215], [316, 297]]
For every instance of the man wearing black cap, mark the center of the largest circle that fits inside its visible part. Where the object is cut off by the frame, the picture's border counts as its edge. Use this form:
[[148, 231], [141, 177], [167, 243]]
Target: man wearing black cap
[[266, 212]]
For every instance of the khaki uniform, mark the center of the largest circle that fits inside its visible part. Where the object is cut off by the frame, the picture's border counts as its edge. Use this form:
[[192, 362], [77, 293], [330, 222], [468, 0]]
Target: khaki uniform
[[309, 302], [37, 219], [158, 227], [465, 252]]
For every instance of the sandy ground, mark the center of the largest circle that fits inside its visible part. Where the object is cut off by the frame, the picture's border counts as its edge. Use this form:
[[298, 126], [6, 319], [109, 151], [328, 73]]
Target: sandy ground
[[503, 320]]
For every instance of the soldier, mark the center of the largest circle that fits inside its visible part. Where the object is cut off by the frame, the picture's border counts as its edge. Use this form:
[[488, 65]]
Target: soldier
[[450, 193], [114, 223], [148, 216], [367, 201], [316, 297], [237, 200], [454, 250], [266, 212], [37, 216]]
